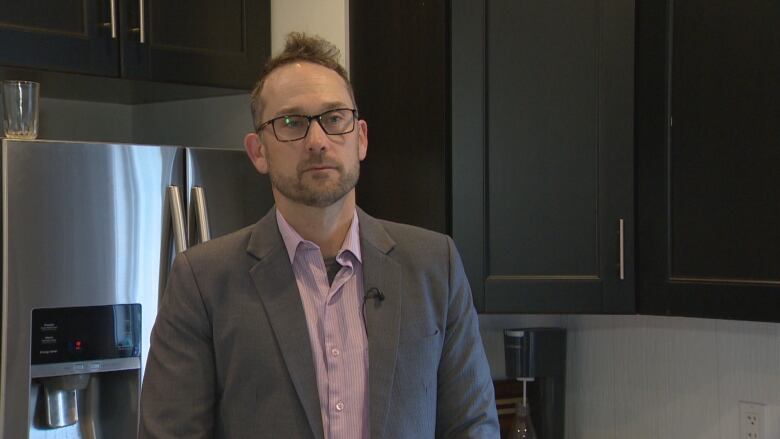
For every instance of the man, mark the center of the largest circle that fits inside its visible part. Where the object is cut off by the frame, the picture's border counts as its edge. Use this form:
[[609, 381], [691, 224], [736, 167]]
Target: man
[[319, 320]]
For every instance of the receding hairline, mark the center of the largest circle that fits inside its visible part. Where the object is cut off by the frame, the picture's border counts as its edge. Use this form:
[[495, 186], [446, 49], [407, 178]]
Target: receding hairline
[[256, 96], [300, 47]]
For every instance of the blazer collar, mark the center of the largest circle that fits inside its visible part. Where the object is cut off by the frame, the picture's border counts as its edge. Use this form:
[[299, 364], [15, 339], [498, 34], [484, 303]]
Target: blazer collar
[[274, 281], [265, 237], [373, 233]]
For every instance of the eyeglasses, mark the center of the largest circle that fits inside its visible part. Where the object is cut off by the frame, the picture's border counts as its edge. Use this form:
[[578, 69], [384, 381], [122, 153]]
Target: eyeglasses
[[292, 127]]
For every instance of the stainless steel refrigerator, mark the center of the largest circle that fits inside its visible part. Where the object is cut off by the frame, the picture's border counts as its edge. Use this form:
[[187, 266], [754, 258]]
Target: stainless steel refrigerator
[[88, 235]]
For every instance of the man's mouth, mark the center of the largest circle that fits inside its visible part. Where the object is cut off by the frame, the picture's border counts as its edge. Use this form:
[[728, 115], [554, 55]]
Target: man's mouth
[[319, 168]]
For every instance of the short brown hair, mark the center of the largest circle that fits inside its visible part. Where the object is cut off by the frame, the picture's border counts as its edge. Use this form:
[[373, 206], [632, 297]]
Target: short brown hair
[[300, 47]]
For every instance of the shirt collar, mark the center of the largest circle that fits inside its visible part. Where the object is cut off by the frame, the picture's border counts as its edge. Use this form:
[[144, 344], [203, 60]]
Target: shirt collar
[[293, 240]]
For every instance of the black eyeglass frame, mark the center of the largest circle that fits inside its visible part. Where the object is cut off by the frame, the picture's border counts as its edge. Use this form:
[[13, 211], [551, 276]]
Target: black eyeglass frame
[[308, 118]]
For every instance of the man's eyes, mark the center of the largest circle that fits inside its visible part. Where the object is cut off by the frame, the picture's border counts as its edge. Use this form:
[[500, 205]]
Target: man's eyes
[[292, 122]]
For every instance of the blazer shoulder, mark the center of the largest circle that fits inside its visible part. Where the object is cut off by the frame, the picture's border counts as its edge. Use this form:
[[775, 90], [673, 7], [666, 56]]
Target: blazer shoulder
[[401, 229], [417, 240], [226, 249]]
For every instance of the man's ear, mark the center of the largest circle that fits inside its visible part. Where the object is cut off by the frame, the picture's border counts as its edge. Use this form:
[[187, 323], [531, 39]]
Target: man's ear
[[256, 151], [362, 139]]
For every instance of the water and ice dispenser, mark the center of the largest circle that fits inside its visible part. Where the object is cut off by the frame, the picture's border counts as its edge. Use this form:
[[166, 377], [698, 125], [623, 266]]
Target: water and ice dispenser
[[85, 372]]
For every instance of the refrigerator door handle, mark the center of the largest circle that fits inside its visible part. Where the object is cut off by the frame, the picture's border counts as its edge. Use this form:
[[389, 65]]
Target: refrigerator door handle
[[177, 219], [201, 213], [173, 219]]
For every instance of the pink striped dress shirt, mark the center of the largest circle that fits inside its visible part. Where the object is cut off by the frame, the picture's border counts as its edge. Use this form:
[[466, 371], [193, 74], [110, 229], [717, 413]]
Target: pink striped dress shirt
[[336, 329]]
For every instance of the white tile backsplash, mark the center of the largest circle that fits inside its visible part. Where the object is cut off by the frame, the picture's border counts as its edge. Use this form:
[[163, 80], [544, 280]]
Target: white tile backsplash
[[651, 377]]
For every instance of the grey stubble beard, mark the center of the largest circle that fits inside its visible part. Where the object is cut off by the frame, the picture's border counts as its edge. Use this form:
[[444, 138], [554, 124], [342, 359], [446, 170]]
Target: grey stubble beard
[[311, 194]]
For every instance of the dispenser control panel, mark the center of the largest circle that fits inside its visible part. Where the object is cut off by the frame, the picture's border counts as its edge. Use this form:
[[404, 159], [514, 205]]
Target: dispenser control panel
[[63, 335]]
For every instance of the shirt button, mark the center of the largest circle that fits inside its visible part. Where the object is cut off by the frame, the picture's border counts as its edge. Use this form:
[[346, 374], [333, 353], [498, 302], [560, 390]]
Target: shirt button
[[335, 352], [339, 406]]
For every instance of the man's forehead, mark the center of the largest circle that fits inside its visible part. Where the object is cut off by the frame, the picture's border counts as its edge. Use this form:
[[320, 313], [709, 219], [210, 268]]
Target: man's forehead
[[303, 75], [298, 84]]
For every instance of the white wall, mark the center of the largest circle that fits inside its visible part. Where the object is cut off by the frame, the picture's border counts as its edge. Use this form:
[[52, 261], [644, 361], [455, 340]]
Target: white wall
[[60, 119], [648, 377], [326, 18], [218, 122]]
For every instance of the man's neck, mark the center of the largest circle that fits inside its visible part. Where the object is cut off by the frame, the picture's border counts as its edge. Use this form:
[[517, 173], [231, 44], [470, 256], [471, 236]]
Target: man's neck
[[325, 226]]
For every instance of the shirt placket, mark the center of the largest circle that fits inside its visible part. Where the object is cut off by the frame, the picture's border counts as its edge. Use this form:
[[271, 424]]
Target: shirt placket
[[334, 352]]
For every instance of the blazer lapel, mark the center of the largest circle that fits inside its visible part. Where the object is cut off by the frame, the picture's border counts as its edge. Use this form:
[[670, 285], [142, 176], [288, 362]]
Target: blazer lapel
[[274, 281], [382, 317]]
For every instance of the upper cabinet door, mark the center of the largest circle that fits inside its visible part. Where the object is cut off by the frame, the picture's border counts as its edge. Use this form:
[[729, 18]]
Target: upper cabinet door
[[398, 67], [708, 150], [540, 200], [218, 43], [62, 35]]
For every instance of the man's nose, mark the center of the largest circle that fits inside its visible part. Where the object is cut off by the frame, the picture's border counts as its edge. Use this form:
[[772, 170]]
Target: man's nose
[[316, 138]]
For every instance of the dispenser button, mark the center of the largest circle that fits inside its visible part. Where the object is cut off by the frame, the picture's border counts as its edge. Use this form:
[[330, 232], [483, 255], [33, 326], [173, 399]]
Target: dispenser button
[[94, 366]]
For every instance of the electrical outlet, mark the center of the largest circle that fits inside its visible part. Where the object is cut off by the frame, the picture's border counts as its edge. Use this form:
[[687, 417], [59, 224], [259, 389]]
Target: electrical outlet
[[751, 420]]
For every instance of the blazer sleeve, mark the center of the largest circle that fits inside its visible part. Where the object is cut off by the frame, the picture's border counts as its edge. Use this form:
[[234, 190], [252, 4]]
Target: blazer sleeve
[[466, 401], [178, 394]]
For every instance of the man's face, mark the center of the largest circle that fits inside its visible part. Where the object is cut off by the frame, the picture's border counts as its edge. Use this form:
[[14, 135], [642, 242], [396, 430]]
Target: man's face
[[319, 169]]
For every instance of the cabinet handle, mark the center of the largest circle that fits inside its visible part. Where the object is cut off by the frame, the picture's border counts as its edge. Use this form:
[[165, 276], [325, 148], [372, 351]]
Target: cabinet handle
[[622, 250], [141, 29], [142, 38], [112, 23]]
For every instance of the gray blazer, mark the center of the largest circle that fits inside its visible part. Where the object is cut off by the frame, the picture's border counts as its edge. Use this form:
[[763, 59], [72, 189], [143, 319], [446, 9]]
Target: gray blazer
[[230, 354]]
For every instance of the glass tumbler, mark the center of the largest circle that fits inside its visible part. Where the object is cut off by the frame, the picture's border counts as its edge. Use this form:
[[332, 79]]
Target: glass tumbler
[[20, 105]]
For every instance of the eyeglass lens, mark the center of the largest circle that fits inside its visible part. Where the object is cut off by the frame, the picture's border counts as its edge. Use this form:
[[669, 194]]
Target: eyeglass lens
[[333, 122]]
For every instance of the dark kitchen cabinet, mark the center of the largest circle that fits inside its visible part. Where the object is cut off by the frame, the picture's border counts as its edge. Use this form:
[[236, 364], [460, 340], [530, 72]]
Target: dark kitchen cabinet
[[399, 69], [218, 44], [224, 43], [61, 35], [554, 139], [708, 150], [542, 153]]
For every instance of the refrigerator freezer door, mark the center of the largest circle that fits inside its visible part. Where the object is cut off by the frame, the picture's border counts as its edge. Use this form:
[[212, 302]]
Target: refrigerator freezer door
[[235, 194], [82, 226]]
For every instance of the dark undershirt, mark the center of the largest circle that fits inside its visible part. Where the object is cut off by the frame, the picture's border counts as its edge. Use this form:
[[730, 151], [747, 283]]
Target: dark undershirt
[[332, 267]]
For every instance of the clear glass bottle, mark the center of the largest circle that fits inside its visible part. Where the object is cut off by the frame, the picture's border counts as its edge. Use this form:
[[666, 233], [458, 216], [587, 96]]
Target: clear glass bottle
[[522, 427]]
